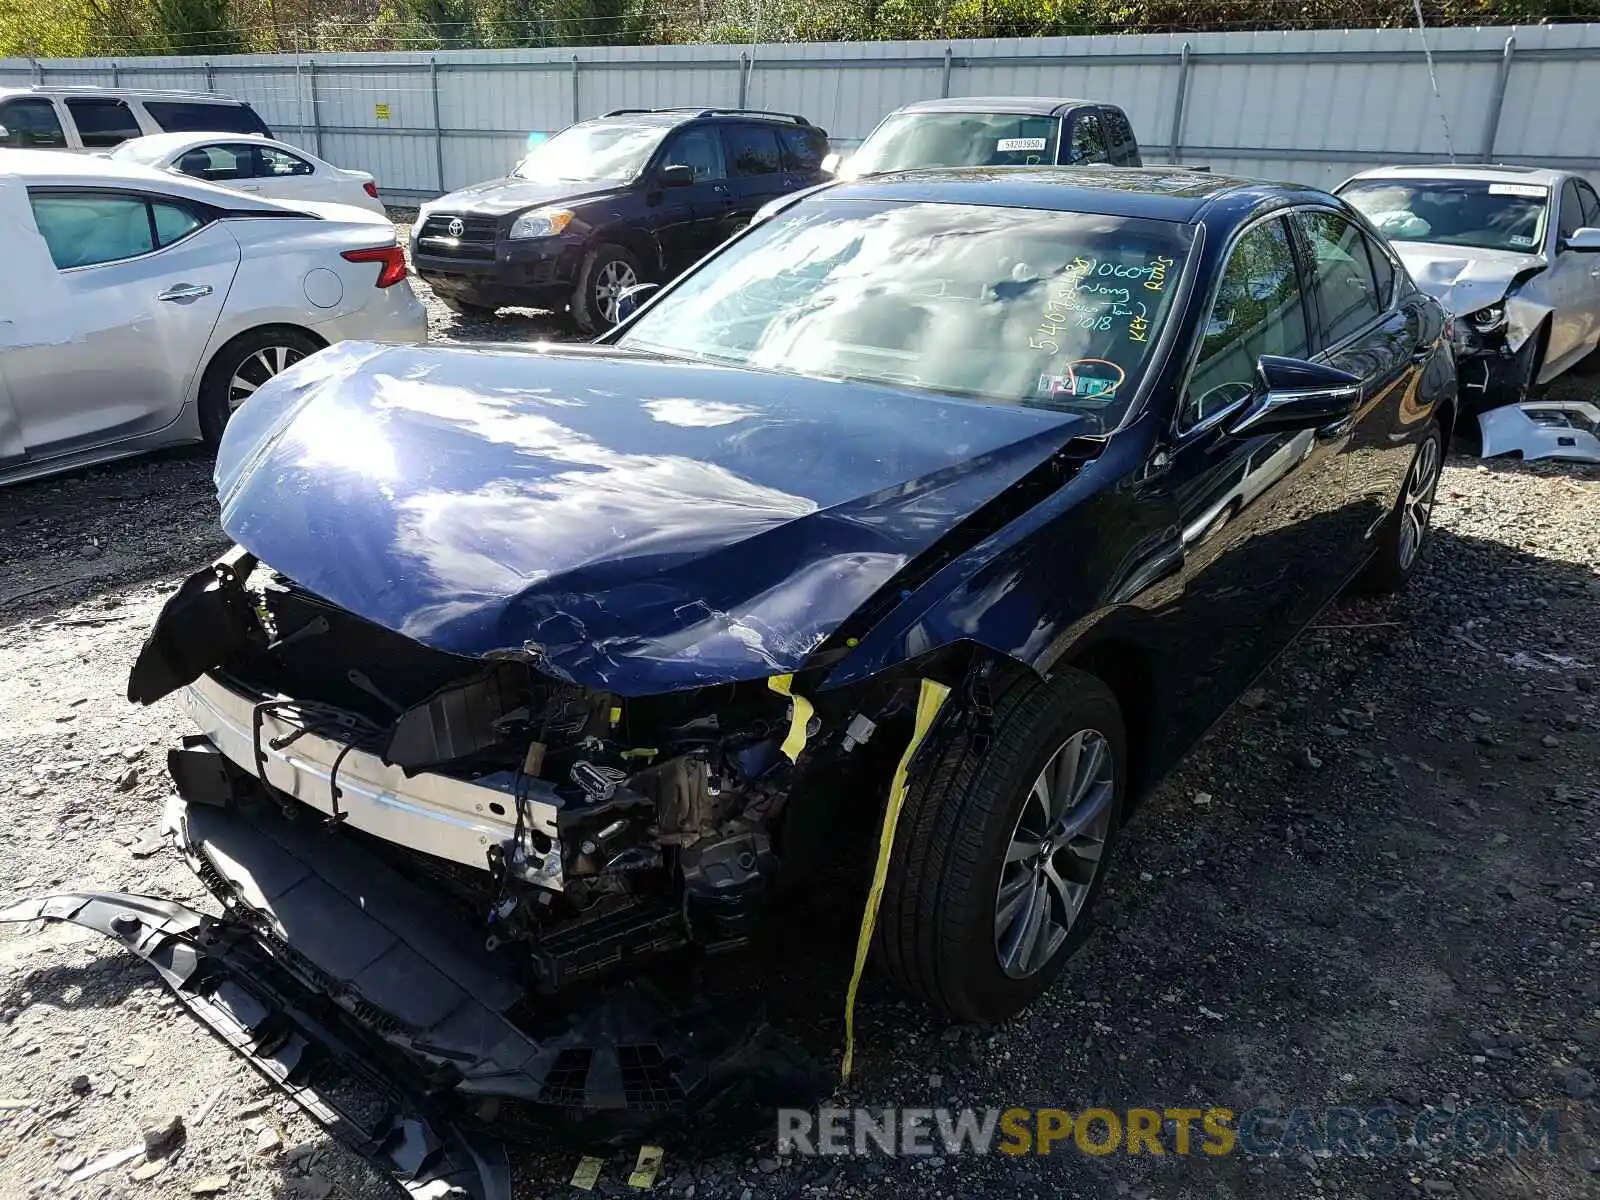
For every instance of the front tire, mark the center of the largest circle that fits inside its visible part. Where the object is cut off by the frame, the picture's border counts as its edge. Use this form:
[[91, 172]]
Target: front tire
[[243, 365], [607, 272], [1405, 536], [1000, 854]]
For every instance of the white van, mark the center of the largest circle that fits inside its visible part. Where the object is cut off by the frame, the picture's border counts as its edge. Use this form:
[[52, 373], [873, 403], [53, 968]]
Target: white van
[[98, 118]]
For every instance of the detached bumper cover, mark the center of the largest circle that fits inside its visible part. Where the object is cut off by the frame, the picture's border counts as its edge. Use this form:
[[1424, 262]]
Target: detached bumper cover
[[386, 1017]]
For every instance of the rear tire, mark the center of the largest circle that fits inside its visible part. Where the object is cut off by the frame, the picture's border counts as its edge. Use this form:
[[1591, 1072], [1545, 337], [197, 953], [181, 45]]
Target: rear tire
[[1405, 536], [964, 859], [241, 366], [607, 270]]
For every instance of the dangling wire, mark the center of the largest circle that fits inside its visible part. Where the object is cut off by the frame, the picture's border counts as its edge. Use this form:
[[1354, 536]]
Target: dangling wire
[[1422, 32]]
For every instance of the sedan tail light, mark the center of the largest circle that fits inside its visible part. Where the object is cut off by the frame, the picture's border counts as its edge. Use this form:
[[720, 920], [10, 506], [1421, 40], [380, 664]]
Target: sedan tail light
[[393, 259], [371, 189]]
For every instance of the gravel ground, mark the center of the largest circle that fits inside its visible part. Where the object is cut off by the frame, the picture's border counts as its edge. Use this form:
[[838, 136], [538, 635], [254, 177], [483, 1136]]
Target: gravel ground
[[1374, 883]]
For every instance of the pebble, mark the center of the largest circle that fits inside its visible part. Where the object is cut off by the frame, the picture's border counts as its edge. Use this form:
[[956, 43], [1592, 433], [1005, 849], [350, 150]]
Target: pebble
[[162, 1140], [268, 1141], [1575, 1082], [149, 1170], [81, 1085], [210, 1185]]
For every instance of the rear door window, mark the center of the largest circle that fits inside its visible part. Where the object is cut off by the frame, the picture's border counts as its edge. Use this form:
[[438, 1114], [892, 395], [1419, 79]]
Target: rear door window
[[803, 149], [102, 122], [197, 116], [87, 229], [753, 149], [272, 163], [32, 124], [1119, 137], [218, 163], [1342, 281], [1088, 139]]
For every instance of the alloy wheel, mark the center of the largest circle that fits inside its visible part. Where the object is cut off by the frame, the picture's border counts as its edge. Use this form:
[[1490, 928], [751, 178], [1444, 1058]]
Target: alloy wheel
[[614, 278], [256, 369], [1416, 507], [1054, 853]]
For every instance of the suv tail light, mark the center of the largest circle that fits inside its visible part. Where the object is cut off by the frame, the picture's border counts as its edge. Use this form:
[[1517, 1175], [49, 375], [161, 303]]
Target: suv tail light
[[371, 189], [393, 259]]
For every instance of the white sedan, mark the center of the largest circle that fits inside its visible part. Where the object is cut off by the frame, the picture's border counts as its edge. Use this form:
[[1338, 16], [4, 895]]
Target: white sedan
[[142, 308], [254, 164]]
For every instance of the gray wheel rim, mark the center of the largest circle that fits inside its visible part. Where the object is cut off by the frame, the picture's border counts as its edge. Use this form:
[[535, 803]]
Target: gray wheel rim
[[256, 369], [1054, 853], [1416, 507], [614, 278]]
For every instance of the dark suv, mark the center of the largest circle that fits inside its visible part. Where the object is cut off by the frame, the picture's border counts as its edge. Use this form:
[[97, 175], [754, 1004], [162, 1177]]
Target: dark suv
[[995, 131], [635, 196]]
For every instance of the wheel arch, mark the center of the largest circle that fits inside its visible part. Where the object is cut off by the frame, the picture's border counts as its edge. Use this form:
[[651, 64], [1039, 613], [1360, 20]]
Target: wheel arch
[[1128, 669], [639, 242]]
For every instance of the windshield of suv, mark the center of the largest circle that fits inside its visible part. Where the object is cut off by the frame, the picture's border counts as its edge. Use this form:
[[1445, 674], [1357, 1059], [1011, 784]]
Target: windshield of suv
[[1454, 212], [944, 139], [1051, 310], [595, 150]]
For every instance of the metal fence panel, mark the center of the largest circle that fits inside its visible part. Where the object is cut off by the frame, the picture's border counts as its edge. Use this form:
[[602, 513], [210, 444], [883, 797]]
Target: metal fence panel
[[1311, 106]]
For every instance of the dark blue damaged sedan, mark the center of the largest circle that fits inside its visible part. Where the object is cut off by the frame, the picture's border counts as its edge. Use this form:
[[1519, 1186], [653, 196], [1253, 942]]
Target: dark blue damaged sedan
[[533, 666]]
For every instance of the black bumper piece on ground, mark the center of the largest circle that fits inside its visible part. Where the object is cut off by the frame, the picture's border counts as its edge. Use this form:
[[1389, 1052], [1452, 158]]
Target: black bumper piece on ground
[[232, 989], [383, 1014]]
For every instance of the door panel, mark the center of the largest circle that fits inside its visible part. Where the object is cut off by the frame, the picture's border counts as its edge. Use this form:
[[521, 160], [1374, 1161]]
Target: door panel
[[1257, 557], [130, 369], [691, 221], [1571, 284], [1357, 328], [12, 449], [755, 169]]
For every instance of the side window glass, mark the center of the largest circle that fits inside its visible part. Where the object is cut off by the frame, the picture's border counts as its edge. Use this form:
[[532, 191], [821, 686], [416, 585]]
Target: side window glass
[[31, 124], [102, 122], [1591, 205], [217, 164], [1571, 209], [1258, 310], [85, 230], [803, 149], [1341, 275], [272, 163], [699, 149], [753, 149], [1382, 271], [1088, 139], [172, 222]]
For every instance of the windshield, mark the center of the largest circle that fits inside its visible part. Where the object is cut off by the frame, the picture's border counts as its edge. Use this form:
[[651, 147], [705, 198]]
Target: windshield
[[1051, 310], [1454, 212], [598, 150], [945, 139]]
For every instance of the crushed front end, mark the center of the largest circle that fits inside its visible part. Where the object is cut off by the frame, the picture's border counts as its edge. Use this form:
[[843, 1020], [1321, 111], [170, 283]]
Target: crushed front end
[[440, 874]]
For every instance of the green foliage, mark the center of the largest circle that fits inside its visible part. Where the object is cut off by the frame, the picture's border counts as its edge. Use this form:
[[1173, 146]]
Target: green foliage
[[56, 28]]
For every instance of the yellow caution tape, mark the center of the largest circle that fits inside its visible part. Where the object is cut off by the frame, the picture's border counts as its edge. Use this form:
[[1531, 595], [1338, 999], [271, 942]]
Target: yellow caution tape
[[647, 1167], [930, 699], [588, 1173], [800, 711]]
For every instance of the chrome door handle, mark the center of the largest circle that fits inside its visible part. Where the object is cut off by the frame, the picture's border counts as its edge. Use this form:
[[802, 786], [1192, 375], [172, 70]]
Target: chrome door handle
[[186, 291]]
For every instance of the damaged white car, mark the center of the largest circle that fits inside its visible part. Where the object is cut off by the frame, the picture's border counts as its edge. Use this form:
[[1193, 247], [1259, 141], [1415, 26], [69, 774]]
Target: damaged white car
[[1513, 254]]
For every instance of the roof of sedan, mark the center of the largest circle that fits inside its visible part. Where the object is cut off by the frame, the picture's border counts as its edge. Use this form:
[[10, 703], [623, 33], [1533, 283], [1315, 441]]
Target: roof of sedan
[[1495, 173], [1160, 193], [1041, 106], [172, 143], [47, 168]]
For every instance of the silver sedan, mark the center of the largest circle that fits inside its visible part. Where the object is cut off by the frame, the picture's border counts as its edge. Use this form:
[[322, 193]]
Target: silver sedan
[[142, 308], [1513, 254]]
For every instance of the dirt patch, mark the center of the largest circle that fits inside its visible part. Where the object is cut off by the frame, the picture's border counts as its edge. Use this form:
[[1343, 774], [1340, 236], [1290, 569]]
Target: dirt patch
[[1375, 883]]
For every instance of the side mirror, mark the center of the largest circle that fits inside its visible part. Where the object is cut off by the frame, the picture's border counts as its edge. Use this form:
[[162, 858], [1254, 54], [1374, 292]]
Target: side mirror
[[1294, 394], [4, 133], [676, 175], [831, 163], [631, 299], [1584, 241]]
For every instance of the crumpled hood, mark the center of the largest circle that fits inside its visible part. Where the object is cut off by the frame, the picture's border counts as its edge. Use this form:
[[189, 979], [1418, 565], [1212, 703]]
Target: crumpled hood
[[496, 197], [1464, 278], [646, 524]]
